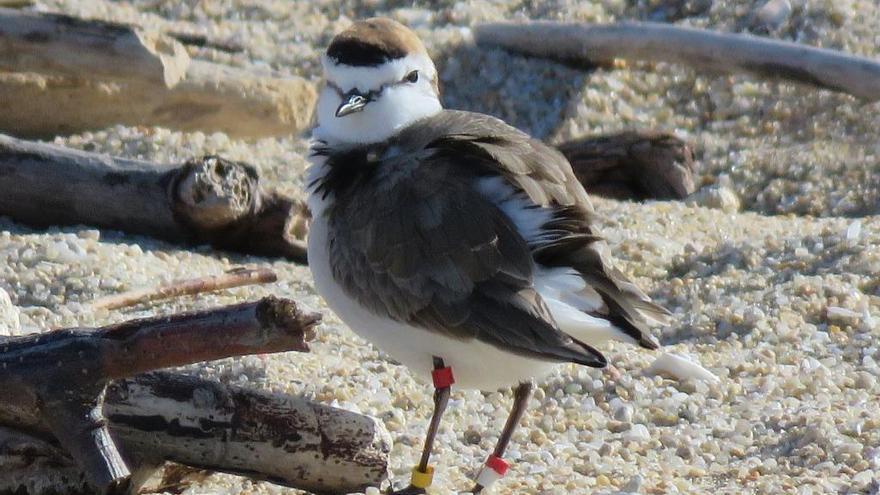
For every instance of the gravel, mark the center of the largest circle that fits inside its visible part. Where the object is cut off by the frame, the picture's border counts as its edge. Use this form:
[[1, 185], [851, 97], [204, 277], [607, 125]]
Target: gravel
[[771, 277]]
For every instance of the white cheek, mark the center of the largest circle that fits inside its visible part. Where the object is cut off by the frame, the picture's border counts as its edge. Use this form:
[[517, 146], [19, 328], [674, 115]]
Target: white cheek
[[394, 109], [328, 102]]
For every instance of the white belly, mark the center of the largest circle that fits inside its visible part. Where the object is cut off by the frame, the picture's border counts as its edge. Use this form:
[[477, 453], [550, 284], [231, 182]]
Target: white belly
[[475, 365]]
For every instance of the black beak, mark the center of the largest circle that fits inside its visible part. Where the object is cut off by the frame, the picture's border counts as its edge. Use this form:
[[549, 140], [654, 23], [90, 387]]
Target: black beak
[[352, 102]]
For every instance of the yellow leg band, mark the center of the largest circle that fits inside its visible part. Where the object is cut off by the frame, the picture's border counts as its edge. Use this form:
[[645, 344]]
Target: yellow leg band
[[420, 479]]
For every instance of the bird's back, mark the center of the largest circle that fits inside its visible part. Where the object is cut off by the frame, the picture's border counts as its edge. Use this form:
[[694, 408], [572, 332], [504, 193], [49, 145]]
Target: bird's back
[[468, 227]]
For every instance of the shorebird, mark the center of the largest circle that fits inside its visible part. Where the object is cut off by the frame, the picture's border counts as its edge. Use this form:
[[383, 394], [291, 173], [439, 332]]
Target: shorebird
[[457, 244]]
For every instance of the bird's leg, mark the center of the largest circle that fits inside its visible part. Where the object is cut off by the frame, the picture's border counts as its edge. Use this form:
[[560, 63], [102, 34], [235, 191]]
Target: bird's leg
[[496, 466], [423, 473]]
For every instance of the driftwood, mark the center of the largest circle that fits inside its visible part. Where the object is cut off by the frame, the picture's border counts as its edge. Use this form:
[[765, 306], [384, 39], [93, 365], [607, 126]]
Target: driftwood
[[124, 75], [43, 43], [588, 45], [234, 278], [633, 165], [55, 382], [209, 200], [55, 390], [164, 416]]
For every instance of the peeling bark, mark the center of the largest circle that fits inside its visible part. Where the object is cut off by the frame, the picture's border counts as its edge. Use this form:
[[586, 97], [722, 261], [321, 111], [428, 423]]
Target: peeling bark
[[164, 416]]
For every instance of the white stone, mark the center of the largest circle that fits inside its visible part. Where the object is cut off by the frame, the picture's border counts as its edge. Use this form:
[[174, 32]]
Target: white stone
[[10, 323], [716, 197], [774, 13], [680, 368], [637, 433]]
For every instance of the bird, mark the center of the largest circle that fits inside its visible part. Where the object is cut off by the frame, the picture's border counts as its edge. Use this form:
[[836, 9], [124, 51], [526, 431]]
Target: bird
[[460, 246]]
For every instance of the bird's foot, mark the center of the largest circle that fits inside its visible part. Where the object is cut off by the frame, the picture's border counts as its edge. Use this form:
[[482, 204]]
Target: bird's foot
[[410, 490], [478, 488]]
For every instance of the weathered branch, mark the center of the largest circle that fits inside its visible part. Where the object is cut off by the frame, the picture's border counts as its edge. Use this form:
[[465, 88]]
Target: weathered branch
[[55, 382], [636, 164], [584, 44], [284, 439], [166, 416], [125, 75], [233, 278], [207, 200]]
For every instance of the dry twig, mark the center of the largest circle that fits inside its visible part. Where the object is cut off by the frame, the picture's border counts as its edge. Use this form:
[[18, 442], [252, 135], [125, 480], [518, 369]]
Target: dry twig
[[234, 278]]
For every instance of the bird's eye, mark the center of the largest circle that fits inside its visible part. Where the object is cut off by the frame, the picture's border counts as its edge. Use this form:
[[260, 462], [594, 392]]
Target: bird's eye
[[412, 77]]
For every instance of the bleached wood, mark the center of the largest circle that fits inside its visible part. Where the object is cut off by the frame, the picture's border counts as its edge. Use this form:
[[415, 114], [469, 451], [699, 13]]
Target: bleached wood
[[586, 44], [164, 416], [124, 75], [64, 45]]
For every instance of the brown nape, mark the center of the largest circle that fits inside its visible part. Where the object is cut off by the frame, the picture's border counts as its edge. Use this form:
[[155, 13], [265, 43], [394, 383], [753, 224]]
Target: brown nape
[[373, 42]]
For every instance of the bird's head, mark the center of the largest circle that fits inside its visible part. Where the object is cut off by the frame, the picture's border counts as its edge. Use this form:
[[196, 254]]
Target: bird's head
[[378, 80]]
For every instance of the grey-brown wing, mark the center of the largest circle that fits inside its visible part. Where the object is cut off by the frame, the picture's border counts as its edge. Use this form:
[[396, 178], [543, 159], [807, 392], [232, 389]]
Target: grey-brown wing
[[415, 242], [546, 177]]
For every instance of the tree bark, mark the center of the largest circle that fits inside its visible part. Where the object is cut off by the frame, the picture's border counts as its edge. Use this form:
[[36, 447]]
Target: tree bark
[[207, 200], [125, 75], [589, 45]]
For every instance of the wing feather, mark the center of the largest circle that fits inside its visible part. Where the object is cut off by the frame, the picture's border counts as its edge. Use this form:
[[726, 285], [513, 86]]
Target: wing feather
[[544, 176], [415, 241]]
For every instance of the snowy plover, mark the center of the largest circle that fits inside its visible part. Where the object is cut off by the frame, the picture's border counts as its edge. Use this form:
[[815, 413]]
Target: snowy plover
[[455, 243]]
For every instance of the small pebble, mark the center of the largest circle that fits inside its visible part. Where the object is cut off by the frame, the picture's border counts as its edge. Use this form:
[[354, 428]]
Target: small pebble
[[774, 13]]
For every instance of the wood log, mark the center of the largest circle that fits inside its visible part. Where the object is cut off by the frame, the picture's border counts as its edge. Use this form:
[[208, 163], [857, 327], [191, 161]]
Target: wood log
[[633, 165], [207, 200], [283, 439], [54, 383], [589, 45], [43, 43], [166, 416], [124, 75]]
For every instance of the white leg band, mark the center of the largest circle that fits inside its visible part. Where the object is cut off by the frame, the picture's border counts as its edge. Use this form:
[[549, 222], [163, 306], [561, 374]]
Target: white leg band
[[487, 477]]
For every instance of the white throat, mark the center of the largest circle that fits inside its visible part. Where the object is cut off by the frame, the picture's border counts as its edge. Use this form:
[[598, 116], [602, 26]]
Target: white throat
[[396, 107]]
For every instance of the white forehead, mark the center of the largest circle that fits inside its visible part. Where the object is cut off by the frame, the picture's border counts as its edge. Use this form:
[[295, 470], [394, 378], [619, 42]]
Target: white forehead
[[367, 78]]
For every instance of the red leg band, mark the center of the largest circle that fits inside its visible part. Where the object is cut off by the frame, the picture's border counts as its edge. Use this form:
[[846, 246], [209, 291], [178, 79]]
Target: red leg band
[[443, 377], [497, 464]]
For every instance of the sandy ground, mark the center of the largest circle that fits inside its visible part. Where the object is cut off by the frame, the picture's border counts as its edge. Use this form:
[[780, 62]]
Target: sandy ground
[[780, 300]]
